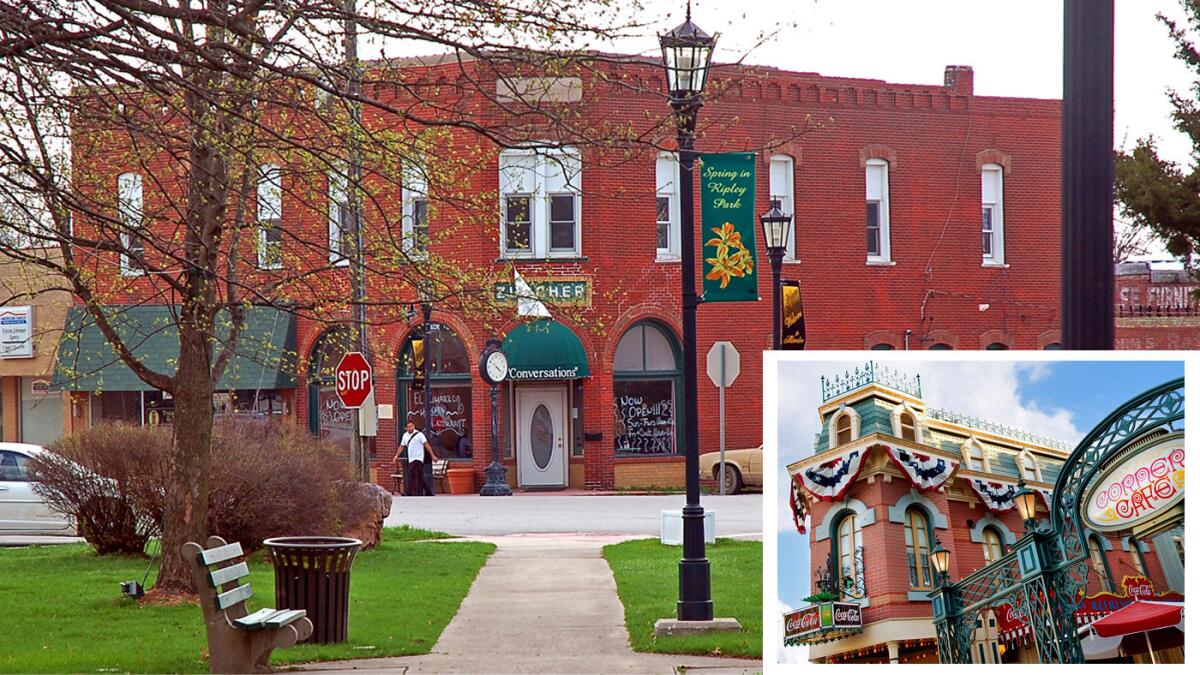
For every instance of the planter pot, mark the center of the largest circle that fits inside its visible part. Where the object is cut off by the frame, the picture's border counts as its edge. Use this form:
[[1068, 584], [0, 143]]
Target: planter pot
[[462, 481]]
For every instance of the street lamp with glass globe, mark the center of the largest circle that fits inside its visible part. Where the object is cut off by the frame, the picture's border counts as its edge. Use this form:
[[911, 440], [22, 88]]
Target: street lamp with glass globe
[[687, 53], [776, 227]]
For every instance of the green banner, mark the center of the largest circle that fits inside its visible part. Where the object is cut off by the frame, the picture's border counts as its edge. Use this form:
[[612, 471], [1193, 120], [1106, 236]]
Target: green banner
[[728, 222]]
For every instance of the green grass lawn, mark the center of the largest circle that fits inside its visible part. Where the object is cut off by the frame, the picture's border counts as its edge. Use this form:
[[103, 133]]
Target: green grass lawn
[[647, 575], [61, 609]]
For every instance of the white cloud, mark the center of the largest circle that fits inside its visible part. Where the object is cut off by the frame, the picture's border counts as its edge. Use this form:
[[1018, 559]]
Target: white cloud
[[992, 391]]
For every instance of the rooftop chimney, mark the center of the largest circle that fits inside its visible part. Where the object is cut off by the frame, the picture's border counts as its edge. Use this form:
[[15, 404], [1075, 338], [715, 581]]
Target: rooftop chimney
[[961, 79]]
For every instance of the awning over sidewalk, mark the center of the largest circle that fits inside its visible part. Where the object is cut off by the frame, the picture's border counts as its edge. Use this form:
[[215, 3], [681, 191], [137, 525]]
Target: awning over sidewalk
[[1139, 617], [264, 359], [544, 350]]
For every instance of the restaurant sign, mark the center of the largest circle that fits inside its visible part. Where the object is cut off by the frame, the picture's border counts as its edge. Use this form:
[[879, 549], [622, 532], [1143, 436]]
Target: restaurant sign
[[821, 623], [1147, 483], [576, 291]]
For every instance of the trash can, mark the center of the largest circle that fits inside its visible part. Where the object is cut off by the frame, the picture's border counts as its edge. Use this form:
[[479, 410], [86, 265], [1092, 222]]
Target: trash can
[[313, 574]]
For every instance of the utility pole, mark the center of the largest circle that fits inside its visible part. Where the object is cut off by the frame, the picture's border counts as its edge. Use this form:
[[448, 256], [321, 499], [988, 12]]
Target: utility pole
[[360, 463]]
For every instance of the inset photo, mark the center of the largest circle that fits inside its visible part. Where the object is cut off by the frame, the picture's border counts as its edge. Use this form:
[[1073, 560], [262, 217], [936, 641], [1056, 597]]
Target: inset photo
[[1014, 508]]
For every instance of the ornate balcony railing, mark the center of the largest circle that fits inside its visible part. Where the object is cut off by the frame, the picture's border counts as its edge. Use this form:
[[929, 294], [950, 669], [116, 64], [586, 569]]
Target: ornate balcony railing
[[997, 428], [871, 373]]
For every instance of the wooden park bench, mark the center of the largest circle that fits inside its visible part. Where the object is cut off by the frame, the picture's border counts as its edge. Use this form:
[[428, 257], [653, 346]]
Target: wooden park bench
[[238, 641], [439, 476]]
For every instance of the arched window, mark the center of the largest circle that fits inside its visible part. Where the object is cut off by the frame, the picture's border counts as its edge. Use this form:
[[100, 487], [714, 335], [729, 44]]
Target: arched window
[[843, 430], [449, 375], [882, 347], [326, 416], [916, 543], [996, 346], [974, 458], [1100, 563], [1053, 346], [845, 552], [940, 346], [908, 427], [647, 384], [1135, 554], [1028, 466], [993, 545]]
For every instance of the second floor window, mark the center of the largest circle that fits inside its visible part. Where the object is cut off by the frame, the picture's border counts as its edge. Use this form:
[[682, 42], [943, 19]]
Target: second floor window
[[666, 194], [879, 228], [993, 548], [132, 219], [916, 542], [540, 205], [849, 540], [270, 217], [782, 171], [341, 223], [993, 214], [415, 198]]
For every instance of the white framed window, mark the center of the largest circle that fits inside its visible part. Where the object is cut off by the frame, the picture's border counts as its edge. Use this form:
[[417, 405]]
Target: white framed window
[[341, 224], [782, 187], [666, 196], [270, 217], [993, 214], [539, 203], [1028, 466], [879, 226], [415, 219], [132, 217], [974, 457]]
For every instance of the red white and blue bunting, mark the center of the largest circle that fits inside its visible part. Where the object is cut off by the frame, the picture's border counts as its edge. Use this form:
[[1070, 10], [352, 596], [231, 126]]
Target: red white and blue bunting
[[925, 472], [1047, 496], [829, 480], [997, 497], [799, 507]]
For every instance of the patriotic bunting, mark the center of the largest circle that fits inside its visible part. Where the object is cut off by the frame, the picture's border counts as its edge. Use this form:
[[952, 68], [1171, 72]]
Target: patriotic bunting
[[925, 472], [997, 497], [830, 480], [799, 507], [1047, 496]]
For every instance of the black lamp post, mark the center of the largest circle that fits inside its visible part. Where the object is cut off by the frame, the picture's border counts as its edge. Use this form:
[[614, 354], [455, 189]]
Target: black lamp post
[[493, 368], [426, 298], [941, 563], [687, 51], [776, 226], [1026, 501]]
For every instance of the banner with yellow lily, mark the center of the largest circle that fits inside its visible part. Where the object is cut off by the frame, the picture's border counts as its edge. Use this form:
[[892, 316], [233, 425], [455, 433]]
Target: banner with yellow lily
[[727, 218]]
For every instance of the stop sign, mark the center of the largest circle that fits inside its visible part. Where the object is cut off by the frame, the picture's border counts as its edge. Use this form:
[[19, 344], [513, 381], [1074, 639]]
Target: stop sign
[[353, 379]]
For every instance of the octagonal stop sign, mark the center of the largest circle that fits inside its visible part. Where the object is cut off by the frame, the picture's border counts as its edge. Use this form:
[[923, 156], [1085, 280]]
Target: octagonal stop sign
[[352, 379]]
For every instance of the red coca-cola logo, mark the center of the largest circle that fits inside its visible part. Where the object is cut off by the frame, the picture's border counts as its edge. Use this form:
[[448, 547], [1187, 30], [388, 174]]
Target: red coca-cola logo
[[846, 614], [805, 620], [1138, 587], [1012, 616]]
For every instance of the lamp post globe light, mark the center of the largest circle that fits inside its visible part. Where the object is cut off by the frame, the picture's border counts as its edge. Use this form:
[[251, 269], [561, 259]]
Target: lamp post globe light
[[687, 51], [1026, 501], [776, 226], [941, 562]]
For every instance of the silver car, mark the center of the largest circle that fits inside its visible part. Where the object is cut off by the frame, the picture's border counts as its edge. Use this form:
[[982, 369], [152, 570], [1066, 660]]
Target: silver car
[[22, 510]]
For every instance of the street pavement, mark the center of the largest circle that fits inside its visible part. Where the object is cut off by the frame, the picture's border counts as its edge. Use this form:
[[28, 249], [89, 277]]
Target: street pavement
[[543, 603], [472, 515]]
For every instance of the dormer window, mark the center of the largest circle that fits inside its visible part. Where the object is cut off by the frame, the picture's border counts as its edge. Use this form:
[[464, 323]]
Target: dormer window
[[1028, 466], [908, 427], [974, 458], [843, 426], [843, 430]]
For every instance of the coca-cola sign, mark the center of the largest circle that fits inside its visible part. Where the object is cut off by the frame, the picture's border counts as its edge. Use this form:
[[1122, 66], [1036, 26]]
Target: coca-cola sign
[[847, 615], [1138, 588], [1142, 486], [802, 621]]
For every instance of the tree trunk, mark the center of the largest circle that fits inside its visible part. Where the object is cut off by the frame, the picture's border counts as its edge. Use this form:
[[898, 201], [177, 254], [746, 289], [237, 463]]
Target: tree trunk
[[186, 508]]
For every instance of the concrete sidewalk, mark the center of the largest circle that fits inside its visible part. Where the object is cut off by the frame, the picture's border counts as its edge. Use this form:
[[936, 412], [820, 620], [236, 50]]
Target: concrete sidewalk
[[542, 604]]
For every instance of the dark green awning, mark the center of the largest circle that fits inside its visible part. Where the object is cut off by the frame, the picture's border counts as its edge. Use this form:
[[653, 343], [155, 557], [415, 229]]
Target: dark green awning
[[265, 355], [544, 350]]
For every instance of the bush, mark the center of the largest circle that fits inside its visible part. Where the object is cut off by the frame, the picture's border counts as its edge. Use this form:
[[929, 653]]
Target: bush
[[268, 479], [100, 478]]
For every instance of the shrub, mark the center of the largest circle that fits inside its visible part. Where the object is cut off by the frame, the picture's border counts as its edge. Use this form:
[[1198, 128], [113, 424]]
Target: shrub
[[268, 479], [99, 477]]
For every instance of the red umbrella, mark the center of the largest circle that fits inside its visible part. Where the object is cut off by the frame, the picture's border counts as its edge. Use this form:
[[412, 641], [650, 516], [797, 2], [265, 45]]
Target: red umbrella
[[1142, 617]]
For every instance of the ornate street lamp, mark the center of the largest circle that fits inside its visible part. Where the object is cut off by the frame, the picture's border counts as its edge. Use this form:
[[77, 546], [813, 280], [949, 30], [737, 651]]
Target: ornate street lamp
[[687, 51], [425, 297], [941, 562], [776, 227], [493, 368], [1026, 500]]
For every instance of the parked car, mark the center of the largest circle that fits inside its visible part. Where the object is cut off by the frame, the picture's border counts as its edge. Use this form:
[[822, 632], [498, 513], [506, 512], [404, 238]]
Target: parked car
[[22, 510], [742, 468]]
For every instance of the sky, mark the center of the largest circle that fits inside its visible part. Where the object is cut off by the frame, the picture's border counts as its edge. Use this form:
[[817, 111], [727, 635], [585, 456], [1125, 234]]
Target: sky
[[1060, 400]]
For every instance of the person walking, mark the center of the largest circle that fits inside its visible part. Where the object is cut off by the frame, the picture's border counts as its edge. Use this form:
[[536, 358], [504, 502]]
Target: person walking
[[416, 484]]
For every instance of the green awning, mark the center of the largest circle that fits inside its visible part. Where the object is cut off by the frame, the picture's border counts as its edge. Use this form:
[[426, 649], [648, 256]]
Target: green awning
[[544, 350], [265, 355]]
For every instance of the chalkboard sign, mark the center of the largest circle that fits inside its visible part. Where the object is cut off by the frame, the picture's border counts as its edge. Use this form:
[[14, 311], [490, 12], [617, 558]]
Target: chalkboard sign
[[644, 412], [449, 410]]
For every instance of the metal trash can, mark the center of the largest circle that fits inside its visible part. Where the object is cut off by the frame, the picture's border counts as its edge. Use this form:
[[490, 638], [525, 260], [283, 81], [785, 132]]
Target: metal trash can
[[313, 574]]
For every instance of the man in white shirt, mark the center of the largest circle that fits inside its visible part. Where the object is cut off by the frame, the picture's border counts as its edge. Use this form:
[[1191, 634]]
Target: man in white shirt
[[416, 483]]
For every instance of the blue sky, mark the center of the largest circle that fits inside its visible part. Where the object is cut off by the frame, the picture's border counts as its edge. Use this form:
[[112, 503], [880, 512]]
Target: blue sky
[[1063, 400]]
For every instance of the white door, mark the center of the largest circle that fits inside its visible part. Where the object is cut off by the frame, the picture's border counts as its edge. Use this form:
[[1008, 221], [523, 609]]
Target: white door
[[542, 437]]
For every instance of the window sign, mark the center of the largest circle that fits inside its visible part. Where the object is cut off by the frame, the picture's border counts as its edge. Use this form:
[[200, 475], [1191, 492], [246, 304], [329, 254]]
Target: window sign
[[645, 416], [16, 332], [449, 413]]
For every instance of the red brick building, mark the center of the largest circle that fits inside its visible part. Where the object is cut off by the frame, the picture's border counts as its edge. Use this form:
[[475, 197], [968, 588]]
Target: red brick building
[[887, 183], [891, 476], [1155, 308]]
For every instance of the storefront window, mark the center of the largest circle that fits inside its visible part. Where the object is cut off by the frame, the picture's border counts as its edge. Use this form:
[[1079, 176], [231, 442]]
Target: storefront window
[[916, 541], [41, 412], [646, 386], [326, 416], [449, 375]]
